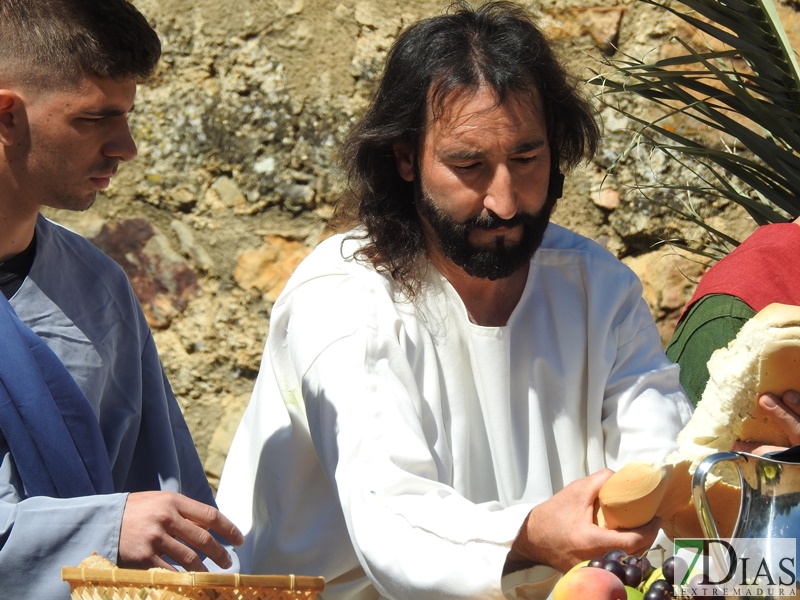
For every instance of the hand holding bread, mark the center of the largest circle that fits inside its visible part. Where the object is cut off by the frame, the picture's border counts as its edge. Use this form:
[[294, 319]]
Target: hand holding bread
[[738, 411]]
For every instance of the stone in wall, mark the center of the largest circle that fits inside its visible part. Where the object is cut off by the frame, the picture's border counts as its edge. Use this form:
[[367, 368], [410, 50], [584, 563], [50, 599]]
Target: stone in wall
[[602, 24], [268, 268], [163, 282], [668, 277]]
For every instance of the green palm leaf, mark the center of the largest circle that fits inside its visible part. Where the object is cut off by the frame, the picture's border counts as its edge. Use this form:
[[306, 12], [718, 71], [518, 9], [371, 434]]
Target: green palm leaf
[[748, 92]]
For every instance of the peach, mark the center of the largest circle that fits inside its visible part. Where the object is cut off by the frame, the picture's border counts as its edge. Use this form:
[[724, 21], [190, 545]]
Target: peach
[[589, 583]]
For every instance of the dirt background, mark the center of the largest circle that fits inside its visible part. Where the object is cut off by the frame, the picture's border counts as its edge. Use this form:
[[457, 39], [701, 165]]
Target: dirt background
[[237, 174]]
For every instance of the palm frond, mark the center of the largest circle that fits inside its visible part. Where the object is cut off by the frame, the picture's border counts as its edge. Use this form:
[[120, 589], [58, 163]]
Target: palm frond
[[747, 91], [754, 27]]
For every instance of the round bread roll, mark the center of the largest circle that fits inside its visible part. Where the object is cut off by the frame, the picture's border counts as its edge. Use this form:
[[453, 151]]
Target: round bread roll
[[632, 495], [95, 561], [764, 357]]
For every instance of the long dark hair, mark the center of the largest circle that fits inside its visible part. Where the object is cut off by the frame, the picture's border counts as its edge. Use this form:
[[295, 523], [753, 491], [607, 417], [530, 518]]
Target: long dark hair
[[497, 44]]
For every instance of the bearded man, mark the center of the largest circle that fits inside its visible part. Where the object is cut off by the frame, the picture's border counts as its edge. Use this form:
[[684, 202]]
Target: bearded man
[[447, 384]]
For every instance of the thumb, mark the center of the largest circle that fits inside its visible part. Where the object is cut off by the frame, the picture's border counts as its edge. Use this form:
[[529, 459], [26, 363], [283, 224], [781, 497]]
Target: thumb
[[599, 478], [782, 413]]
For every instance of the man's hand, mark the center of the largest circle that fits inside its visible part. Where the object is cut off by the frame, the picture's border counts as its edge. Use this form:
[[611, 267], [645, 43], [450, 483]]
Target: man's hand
[[560, 532], [160, 523], [783, 413]]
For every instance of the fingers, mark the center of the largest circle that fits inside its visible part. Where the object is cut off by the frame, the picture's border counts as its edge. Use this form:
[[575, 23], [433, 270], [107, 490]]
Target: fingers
[[195, 538], [636, 541], [193, 529], [210, 518], [792, 399], [755, 448], [160, 563], [165, 524], [783, 412], [561, 531], [185, 556], [631, 541], [596, 480]]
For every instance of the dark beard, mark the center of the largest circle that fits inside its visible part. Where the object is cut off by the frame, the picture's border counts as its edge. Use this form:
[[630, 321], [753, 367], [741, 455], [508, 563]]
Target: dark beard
[[499, 262]]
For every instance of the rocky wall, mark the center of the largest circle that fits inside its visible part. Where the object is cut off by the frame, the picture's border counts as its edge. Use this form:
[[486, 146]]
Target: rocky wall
[[237, 173]]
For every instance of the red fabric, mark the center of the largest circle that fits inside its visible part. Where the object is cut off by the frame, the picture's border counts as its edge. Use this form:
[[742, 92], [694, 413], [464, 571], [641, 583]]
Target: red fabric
[[763, 269]]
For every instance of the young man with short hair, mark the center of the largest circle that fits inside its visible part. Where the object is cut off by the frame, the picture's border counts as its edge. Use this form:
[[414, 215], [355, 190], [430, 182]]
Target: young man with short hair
[[95, 455]]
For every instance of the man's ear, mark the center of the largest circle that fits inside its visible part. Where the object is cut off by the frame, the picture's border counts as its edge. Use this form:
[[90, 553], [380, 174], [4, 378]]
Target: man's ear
[[404, 159], [10, 103]]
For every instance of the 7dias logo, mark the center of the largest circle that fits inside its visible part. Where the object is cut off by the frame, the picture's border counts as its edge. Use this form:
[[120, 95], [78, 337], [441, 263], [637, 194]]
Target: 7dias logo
[[765, 568]]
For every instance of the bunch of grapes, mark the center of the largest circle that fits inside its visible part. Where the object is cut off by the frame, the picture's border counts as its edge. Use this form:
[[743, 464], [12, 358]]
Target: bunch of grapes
[[641, 579]]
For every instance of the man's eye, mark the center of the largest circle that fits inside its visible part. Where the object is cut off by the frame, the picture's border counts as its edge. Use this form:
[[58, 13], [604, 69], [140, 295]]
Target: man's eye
[[525, 160], [467, 167]]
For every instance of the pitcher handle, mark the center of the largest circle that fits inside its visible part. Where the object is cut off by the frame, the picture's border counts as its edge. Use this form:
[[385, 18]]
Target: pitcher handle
[[699, 489]]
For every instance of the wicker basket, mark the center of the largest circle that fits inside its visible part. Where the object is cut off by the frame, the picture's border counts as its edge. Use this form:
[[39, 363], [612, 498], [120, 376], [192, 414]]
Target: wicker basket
[[132, 584]]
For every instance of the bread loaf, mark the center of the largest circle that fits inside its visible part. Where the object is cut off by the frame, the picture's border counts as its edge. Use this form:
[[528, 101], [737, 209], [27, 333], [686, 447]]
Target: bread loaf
[[764, 357]]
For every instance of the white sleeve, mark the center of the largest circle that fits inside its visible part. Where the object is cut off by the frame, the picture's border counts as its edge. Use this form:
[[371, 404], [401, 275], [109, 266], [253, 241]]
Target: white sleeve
[[645, 406]]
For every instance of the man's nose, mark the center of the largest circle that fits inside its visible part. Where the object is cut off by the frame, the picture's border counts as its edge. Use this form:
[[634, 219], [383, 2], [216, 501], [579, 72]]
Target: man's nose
[[121, 145], [500, 197]]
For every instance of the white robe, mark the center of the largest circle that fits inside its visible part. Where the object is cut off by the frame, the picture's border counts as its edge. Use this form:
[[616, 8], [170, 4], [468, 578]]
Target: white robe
[[395, 448], [80, 302]]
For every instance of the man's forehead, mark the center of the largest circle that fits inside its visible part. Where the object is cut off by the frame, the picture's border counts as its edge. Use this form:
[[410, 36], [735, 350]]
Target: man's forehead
[[92, 93], [475, 113], [464, 103]]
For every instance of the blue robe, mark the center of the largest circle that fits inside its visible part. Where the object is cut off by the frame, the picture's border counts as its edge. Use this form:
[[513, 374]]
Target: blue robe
[[80, 303]]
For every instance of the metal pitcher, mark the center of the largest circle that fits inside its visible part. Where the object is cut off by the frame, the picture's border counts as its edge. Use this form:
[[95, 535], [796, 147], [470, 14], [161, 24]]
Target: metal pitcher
[[769, 514]]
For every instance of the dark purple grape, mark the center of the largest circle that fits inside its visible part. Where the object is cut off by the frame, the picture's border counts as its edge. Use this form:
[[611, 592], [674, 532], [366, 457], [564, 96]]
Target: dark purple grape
[[657, 594], [646, 566], [662, 588], [671, 565], [661, 585], [668, 568], [615, 555], [640, 561], [616, 568], [598, 563], [633, 575]]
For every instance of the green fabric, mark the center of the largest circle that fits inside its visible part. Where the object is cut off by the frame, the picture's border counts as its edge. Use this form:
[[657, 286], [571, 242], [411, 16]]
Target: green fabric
[[711, 323]]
